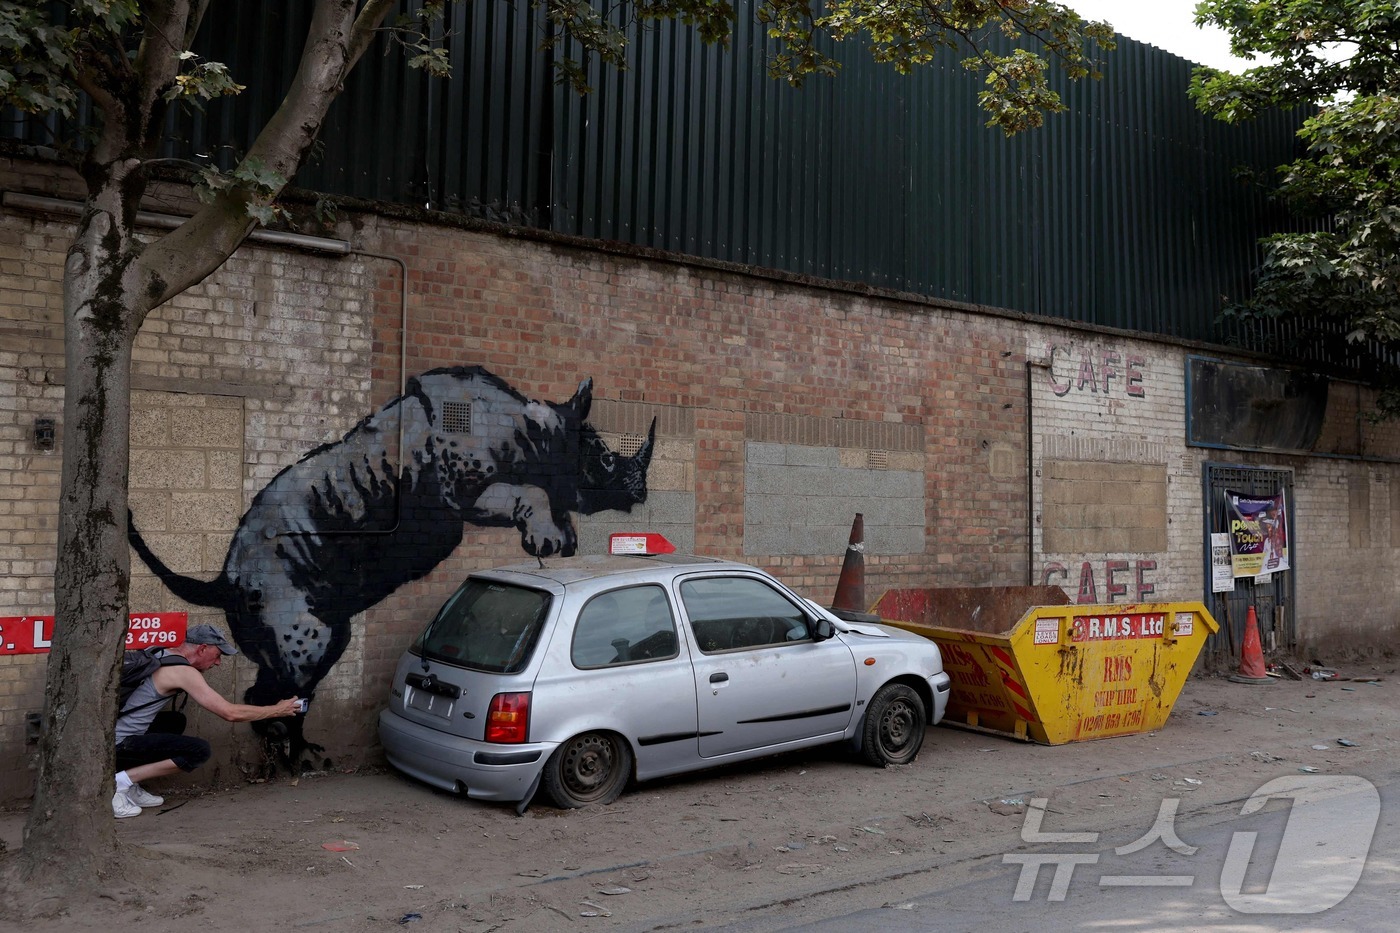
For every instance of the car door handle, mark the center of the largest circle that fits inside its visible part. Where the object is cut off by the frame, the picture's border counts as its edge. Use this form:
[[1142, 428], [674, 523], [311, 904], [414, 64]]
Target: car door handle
[[719, 678]]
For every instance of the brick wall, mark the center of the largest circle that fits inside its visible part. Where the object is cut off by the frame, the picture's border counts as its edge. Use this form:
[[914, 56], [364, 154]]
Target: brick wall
[[281, 352], [1113, 520], [233, 381]]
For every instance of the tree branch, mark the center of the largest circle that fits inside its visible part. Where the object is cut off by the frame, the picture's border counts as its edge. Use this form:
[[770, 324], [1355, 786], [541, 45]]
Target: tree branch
[[196, 18], [336, 39], [365, 28]]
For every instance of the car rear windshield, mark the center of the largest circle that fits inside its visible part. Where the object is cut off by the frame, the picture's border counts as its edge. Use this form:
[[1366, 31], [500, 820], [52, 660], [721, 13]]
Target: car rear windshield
[[486, 626]]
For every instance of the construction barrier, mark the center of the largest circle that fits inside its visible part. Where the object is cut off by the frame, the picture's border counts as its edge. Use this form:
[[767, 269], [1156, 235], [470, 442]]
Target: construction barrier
[[1056, 673]]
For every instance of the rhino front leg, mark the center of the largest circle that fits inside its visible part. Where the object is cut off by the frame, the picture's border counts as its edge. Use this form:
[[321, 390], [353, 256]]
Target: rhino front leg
[[543, 532]]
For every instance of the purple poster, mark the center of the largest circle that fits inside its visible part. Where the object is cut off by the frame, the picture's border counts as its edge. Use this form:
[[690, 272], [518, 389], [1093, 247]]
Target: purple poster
[[1258, 533]]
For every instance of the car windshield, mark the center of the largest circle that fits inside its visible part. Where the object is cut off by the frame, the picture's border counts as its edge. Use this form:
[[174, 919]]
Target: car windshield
[[486, 626]]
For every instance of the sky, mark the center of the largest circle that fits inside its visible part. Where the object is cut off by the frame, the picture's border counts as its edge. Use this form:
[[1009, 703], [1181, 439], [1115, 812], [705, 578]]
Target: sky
[[1166, 24]]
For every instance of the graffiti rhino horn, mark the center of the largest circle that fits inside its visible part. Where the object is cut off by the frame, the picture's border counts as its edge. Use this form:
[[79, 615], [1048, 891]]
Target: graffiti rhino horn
[[642, 458], [610, 481]]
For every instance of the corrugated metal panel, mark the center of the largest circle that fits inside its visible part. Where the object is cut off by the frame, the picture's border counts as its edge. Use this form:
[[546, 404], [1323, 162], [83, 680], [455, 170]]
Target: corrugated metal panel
[[1125, 211], [479, 143]]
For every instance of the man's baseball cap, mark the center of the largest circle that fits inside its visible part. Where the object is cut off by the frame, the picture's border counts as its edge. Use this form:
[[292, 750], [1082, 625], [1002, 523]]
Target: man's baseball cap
[[205, 634]]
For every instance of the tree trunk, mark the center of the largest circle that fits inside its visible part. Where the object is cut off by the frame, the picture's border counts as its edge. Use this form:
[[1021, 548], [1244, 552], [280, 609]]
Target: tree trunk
[[70, 840], [111, 281]]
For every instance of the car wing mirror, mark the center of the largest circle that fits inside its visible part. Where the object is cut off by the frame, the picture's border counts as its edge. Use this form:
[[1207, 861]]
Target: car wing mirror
[[821, 629]]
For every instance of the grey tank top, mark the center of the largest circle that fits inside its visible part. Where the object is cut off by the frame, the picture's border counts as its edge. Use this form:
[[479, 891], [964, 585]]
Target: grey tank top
[[144, 706]]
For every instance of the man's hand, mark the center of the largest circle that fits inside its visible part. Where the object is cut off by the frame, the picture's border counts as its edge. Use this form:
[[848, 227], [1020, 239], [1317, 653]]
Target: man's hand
[[289, 707]]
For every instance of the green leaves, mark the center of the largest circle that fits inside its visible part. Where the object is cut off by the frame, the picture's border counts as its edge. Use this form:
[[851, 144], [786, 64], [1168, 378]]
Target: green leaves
[[1340, 59], [202, 80], [258, 184], [909, 33], [36, 58]]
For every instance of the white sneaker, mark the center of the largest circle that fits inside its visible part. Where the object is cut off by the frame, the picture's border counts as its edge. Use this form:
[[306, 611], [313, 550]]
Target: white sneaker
[[143, 798], [122, 807]]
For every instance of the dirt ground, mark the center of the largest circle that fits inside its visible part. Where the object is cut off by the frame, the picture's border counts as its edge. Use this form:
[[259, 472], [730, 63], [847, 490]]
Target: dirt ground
[[766, 844]]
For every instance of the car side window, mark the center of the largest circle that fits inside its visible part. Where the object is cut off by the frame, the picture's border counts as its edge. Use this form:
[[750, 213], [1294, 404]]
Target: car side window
[[623, 627], [732, 613]]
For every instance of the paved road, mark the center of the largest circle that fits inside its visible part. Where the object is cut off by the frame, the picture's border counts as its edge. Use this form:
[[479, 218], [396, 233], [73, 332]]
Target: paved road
[[808, 841], [1325, 859]]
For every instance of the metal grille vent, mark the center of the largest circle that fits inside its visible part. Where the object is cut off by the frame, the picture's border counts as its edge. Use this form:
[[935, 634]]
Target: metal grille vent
[[877, 459], [630, 444], [456, 417]]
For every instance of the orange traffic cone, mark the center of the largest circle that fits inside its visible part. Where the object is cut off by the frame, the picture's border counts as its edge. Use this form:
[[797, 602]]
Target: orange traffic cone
[[850, 588], [1252, 669]]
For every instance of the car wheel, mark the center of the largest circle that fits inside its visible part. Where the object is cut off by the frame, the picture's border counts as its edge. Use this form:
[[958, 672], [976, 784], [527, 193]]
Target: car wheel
[[894, 726], [589, 768]]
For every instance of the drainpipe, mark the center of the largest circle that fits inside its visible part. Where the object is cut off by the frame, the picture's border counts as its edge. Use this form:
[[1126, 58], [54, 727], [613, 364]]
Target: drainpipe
[[1030, 468], [403, 383]]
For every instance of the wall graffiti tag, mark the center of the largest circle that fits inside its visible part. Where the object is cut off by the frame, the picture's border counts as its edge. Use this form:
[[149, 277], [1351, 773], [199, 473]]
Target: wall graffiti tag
[[1095, 371], [1118, 575], [344, 527]]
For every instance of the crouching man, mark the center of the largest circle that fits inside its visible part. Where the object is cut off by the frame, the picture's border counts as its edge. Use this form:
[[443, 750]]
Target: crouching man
[[151, 742]]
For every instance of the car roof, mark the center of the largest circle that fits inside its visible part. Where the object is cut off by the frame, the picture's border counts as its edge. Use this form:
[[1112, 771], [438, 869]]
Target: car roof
[[564, 571]]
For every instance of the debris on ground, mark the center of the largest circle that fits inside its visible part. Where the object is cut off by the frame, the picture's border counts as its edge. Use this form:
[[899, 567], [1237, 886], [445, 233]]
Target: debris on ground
[[1008, 806]]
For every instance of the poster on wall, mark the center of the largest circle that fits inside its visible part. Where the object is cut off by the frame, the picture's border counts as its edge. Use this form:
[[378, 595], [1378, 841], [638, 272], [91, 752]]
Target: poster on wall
[[1258, 533], [1222, 571]]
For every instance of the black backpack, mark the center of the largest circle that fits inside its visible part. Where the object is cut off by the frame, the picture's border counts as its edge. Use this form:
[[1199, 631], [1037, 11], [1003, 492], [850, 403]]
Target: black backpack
[[136, 667]]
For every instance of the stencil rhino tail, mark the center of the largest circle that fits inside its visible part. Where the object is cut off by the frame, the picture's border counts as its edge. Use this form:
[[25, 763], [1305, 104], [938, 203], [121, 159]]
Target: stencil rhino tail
[[216, 592]]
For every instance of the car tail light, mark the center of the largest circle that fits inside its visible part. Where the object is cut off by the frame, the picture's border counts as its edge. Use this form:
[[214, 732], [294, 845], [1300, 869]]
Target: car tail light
[[508, 719]]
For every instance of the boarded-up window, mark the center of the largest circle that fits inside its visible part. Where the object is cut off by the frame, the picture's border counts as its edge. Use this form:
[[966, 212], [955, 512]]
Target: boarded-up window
[[1094, 507]]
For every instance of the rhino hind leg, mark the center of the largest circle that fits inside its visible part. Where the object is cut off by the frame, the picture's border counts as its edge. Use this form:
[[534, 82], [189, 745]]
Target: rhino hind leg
[[302, 652]]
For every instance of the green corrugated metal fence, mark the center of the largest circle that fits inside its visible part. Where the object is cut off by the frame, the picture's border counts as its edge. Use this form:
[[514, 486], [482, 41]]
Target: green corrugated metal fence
[[1126, 211]]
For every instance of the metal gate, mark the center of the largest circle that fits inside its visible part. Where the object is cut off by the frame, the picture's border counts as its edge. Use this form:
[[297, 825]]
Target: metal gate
[[1272, 600]]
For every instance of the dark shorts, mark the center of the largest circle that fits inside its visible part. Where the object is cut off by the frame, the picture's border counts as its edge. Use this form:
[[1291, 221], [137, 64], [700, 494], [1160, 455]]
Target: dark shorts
[[186, 751]]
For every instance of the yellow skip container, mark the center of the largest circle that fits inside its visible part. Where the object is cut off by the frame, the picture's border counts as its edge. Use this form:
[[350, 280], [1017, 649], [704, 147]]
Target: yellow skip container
[[1062, 673]]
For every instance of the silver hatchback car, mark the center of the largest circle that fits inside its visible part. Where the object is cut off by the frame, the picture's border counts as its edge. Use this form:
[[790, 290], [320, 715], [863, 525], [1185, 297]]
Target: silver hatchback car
[[587, 672]]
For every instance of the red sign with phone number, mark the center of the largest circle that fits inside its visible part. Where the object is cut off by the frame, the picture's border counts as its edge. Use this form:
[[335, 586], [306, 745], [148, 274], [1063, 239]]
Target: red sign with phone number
[[34, 634]]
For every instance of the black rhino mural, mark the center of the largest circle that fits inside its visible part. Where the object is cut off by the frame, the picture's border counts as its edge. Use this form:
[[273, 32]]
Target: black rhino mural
[[341, 529]]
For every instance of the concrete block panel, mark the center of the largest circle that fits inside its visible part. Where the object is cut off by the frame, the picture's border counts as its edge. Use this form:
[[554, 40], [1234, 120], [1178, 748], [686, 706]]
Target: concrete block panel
[[805, 502], [150, 427], [226, 469], [1096, 507], [203, 511], [168, 469], [209, 427]]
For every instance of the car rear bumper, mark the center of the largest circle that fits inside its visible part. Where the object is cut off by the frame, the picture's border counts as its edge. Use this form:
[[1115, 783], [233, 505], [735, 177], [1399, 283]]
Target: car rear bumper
[[481, 770]]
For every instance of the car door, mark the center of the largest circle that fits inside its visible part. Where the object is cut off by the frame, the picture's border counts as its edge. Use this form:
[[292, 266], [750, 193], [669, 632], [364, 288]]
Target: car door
[[760, 678], [623, 668]]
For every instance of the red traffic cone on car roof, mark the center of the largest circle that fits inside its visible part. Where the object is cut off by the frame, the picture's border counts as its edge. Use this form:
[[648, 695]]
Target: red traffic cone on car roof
[[1252, 670], [850, 587]]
